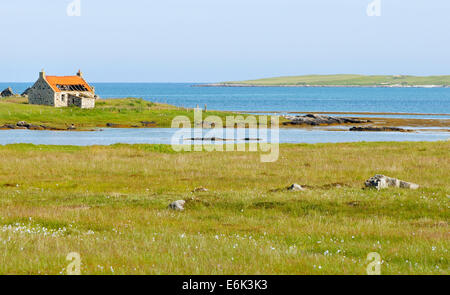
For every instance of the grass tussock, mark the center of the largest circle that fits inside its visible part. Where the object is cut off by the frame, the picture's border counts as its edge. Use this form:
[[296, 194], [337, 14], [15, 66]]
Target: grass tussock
[[110, 205]]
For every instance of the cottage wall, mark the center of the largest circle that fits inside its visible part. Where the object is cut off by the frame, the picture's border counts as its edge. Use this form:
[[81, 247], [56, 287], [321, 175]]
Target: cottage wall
[[61, 99], [81, 101], [41, 93], [87, 103]]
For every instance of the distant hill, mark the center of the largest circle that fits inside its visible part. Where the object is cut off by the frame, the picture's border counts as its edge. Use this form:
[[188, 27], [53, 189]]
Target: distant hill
[[346, 80]]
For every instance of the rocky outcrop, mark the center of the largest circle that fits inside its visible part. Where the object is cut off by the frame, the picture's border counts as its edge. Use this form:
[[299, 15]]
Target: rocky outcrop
[[148, 123], [25, 125], [7, 92], [315, 120], [200, 189], [177, 205], [25, 93], [295, 188], [374, 128], [381, 181], [221, 139]]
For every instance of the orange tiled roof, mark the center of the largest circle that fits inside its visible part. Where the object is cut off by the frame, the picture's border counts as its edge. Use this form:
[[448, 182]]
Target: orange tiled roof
[[66, 80]]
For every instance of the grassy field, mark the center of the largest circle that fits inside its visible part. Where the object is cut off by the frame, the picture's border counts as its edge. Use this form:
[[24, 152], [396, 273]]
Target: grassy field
[[110, 205], [130, 112], [126, 112], [348, 80]]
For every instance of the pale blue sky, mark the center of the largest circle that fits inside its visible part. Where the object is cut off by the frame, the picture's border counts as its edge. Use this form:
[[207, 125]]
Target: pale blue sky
[[221, 40]]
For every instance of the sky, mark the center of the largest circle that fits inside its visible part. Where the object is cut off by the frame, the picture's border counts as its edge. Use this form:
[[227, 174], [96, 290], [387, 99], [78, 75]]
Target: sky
[[221, 40]]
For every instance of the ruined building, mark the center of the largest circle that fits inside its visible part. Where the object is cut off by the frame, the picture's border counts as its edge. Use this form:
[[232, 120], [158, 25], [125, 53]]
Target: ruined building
[[62, 91]]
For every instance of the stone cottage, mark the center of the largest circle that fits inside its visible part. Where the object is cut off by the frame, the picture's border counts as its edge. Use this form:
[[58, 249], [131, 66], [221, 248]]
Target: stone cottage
[[62, 91]]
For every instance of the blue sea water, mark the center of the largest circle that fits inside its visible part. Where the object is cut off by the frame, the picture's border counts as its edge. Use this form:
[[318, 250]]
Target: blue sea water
[[283, 99], [256, 99]]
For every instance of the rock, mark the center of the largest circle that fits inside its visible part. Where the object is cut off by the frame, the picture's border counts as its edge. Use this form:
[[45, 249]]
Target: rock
[[7, 92], [373, 128], [207, 139], [200, 189], [251, 139], [206, 124], [35, 127], [23, 124], [315, 120], [8, 126], [26, 92], [381, 181], [177, 205], [148, 123], [295, 188]]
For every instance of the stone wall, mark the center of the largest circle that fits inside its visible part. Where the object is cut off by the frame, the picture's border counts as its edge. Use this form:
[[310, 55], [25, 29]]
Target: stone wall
[[41, 93], [87, 103], [81, 102]]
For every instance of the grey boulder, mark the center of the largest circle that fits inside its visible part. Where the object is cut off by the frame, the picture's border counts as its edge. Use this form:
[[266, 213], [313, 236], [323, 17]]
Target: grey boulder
[[380, 181], [177, 205], [7, 92], [295, 188]]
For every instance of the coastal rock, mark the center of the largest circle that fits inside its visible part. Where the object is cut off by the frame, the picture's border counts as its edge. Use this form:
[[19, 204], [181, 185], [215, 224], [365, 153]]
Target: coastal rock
[[22, 124], [380, 181], [205, 124], [295, 188], [221, 139], [7, 92], [373, 128], [200, 189], [177, 205], [315, 120], [208, 138], [25, 125], [148, 123], [8, 126], [26, 92]]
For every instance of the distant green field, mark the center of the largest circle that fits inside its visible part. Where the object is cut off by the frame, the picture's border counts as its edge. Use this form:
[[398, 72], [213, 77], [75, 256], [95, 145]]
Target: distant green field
[[125, 112], [348, 80]]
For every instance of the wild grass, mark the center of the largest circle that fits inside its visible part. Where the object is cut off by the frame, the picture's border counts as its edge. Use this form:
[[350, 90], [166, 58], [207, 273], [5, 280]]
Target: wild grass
[[350, 80], [109, 203]]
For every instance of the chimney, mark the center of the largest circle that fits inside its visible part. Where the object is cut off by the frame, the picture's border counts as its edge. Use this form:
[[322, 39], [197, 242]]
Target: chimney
[[80, 74], [42, 74]]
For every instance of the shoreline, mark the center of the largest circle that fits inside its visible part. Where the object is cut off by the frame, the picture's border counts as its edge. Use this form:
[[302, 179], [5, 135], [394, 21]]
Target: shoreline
[[371, 121], [319, 86], [342, 113]]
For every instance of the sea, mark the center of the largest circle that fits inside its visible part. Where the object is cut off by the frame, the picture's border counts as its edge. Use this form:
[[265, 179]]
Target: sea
[[430, 103], [279, 99]]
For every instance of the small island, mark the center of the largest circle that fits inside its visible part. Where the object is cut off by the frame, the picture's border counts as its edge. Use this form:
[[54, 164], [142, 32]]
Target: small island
[[342, 80]]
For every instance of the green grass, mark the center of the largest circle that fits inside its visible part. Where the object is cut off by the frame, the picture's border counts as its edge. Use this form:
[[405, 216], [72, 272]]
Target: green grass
[[126, 112], [349, 80], [109, 203]]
